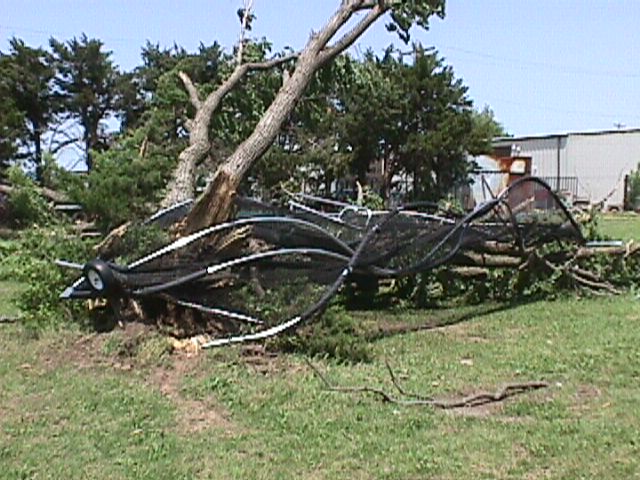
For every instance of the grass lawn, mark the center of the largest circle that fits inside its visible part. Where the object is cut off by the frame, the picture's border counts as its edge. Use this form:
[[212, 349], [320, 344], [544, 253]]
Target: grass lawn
[[120, 405], [116, 406], [621, 226]]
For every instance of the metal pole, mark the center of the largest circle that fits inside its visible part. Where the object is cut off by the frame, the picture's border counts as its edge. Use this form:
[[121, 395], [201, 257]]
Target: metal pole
[[558, 165]]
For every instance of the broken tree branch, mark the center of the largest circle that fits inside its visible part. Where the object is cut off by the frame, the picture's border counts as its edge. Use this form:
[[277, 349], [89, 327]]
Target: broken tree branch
[[47, 193], [191, 89], [400, 388], [352, 35], [7, 320], [182, 184], [246, 15], [108, 246], [627, 250], [216, 204], [506, 391]]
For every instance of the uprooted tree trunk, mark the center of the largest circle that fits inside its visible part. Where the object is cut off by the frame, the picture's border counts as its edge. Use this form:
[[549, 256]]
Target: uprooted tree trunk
[[182, 184], [215, 205], [572, 263]]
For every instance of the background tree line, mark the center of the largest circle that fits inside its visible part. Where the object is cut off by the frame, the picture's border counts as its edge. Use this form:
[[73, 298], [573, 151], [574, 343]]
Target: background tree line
[[399, 114]]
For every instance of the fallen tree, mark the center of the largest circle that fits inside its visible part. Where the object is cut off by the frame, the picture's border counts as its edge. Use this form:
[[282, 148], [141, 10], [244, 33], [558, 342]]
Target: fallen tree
[[215, 205], [185, 283], [49, 194], [259, 276]]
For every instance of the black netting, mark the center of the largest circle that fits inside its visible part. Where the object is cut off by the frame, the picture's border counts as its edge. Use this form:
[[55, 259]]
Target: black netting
[[272, 264]]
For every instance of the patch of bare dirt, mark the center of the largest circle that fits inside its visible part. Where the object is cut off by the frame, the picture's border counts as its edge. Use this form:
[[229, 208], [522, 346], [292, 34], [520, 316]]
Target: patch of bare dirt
[[480, 411], [79, 352], [262, 360], [93, 350], [587, 392], [193, 415], [120, 350], [587, 398], [496, 409]]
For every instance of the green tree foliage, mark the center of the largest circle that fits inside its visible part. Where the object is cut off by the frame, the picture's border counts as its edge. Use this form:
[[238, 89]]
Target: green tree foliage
[[306, 151], [125, 182], [485, 128], [85, 86], [139, 89], [412, 119], [26, 92], [408, 13], [152, 96], [12, 128], [378, 119], [438, 125], [391, 116], [633, 187], [167, 105], [27, 206], [371, 124]]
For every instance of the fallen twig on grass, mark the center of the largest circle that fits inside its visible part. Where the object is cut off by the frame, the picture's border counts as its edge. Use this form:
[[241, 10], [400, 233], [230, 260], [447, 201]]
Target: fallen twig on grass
[[5, 319], [412, 399]]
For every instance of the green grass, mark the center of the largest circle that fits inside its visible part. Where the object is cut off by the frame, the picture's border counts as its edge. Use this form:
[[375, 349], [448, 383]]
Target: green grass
[[83, 418], [621, 226], [117, 406], [9, 290]]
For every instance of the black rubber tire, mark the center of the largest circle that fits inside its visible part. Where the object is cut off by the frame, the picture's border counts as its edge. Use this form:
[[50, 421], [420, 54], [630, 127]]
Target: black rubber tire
[[100, 276]]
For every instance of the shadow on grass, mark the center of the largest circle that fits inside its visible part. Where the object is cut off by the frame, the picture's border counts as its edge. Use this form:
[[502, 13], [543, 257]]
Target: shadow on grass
[[437, 319]]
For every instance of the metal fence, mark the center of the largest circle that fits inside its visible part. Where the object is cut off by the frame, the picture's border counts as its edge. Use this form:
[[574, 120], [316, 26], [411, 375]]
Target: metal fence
[[563, 184]]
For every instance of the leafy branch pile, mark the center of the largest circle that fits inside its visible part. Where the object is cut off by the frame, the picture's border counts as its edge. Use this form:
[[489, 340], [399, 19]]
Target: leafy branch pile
[[545, 272]]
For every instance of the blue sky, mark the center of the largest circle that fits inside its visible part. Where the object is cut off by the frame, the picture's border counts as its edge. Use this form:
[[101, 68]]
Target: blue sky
[[544, 67]]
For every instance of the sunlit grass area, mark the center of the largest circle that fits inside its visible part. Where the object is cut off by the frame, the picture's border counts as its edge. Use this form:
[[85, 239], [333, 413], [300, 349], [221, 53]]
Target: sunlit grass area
[[77, 404]]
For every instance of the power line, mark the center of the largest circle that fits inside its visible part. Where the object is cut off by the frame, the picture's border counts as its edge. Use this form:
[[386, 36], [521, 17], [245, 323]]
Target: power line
[[557, 68], [568, 69], [566, 112], [48, 34]]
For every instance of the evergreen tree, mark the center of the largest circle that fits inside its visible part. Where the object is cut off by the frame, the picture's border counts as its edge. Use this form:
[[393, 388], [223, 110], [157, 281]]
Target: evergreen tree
[[85, 86], [27, 74]]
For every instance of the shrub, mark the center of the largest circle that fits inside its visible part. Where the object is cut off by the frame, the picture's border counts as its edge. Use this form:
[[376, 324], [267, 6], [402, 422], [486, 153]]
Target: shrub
[[30, 260], [26, 205], [334, 335], [634, 188], [123, 184]]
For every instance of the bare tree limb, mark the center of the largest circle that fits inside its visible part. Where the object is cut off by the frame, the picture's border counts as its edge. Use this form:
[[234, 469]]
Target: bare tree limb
[[112, 241], [627, 250], [352, 35], [216, 203], [578, 275], [6, 320], [506, 391], [401, 389], [191, 89], [595, 285], [65, 143], [248, 6], [366, 389], [181, 186]]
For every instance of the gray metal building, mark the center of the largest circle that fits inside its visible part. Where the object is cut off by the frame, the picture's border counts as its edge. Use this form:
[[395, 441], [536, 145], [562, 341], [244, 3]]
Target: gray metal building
[[587, 166]]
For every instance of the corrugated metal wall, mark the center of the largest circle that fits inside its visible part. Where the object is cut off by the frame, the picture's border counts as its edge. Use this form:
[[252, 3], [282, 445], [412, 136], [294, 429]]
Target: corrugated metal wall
[[598, 160], [543, 151], [601, 161]]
